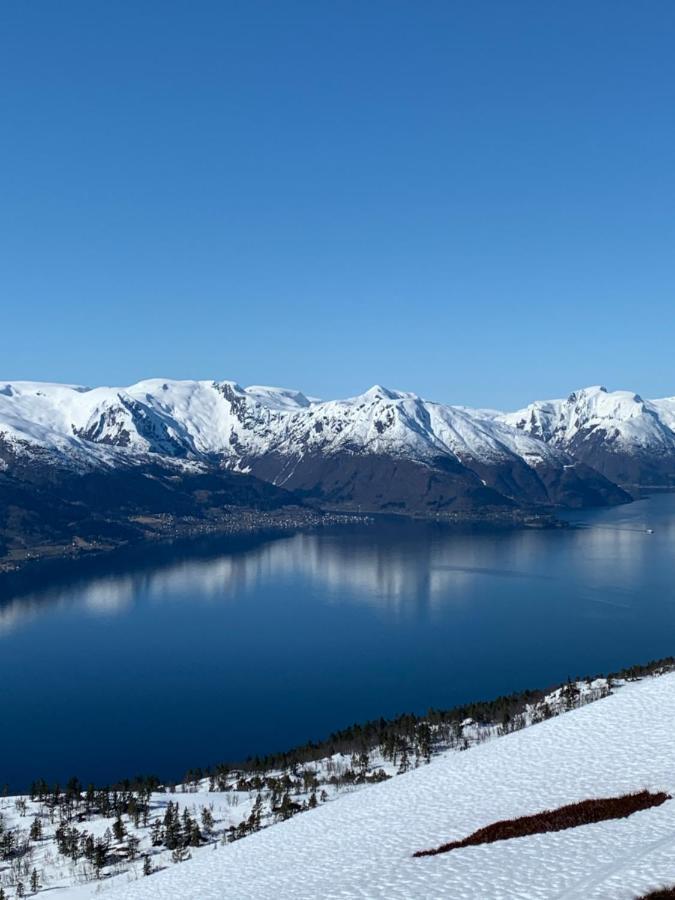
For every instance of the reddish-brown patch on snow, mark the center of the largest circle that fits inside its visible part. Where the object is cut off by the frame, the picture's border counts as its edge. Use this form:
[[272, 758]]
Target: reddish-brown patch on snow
[[570, 816]]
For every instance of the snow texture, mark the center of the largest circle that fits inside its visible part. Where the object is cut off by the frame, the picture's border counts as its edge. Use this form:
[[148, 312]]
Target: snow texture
[[622, 416], [361, 846], [202, 420]]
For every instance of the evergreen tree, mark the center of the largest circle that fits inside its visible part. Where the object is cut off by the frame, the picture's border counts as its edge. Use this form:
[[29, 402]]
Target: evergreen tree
[[133, 844], [253, 821], [194, 836], [147, 866], [100, 856], [134, 810], [172, 829], [156, 833], [405, 763], [34, 881], [36, 830], [118, 828], [207, 819]]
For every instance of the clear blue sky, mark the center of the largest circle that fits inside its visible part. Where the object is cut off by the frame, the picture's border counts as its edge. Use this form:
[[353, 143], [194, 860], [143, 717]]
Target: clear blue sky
[[473, 200]]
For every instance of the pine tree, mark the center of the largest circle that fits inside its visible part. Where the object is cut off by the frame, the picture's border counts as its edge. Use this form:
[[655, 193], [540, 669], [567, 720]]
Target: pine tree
[[147, 867], [133, 844], [20, 890], [100, 856], [134, 811], [34, 881], [172, 829], [118, 828], [405, 764], [207, 819], [36, 830], [193, 836], [156, 833], [253, 822]]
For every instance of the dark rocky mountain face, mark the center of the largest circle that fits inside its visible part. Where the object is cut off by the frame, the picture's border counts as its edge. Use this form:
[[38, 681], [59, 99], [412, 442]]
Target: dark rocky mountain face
[[631, 468], [48, 508], [573, 485], [379, 483]]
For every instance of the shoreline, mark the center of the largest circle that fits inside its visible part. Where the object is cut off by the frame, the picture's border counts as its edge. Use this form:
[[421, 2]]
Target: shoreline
[[426, 735], [80, 840], [167, 530]]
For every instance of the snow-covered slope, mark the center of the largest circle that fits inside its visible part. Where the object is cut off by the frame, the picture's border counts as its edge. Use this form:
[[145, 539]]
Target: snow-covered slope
[[362, 845], [628, 439], [221, 417], [366, 450]]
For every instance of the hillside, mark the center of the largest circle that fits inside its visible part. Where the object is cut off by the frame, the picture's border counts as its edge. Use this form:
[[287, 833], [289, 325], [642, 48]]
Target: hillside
[[347, 826], [362, 845]]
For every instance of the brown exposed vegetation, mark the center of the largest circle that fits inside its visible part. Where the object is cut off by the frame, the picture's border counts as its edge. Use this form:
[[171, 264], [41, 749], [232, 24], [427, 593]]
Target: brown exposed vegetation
[[570, 816], [660, 894]]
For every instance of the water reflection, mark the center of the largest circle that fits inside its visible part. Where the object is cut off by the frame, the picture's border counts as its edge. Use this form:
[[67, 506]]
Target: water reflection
[[255, 645], [398, 568]]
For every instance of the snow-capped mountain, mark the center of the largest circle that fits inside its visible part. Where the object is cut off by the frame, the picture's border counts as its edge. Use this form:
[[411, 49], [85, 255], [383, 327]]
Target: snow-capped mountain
[[630, 440], [381, 450]]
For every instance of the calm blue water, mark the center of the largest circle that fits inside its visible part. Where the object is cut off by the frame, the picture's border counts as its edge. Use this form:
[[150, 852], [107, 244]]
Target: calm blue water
[[160, 662]]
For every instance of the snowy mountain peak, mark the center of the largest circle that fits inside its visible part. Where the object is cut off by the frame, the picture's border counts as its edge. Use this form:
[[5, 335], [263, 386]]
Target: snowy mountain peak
[[560, 420], [628, 439], [378, 392], [278, 398], [230, 387], [575, 396], [280, 435]]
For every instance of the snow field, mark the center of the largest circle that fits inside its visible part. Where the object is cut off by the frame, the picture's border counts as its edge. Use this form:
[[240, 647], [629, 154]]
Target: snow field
[[361, 846]]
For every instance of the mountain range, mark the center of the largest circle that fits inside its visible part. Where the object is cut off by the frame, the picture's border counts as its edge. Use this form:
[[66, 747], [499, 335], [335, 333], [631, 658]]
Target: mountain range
[[177, 447]]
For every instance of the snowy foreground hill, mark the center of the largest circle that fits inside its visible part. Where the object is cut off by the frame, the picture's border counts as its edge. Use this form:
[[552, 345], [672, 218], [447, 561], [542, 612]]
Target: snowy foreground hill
[[359, 842], [362, 845]]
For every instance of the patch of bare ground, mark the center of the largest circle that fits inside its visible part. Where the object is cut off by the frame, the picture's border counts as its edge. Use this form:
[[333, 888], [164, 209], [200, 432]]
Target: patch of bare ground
[[660, 894], [570, 816]]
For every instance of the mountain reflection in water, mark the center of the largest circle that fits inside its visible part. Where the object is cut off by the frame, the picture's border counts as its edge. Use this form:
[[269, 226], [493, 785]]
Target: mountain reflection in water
[[247, 646]]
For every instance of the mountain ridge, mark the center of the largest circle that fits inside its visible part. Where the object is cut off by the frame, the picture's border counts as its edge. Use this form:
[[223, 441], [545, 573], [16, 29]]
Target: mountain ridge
[[199, 421], [629, 440], [79, 462]]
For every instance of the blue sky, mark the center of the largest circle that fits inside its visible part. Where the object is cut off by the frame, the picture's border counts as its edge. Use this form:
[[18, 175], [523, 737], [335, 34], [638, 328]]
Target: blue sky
[[472, 200]]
